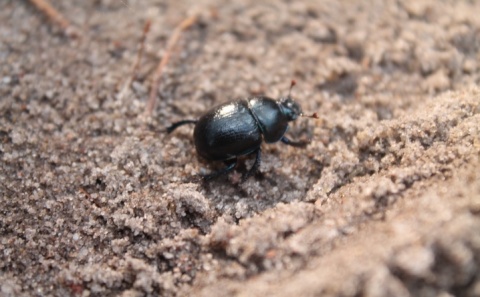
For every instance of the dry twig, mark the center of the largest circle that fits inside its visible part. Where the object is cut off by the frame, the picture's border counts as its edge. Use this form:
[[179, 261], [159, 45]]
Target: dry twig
[[138, 60], [172, 41], [55, 17]]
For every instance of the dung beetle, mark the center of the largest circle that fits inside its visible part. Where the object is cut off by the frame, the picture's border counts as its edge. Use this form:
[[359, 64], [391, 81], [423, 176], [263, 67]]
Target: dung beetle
[[237, 128]]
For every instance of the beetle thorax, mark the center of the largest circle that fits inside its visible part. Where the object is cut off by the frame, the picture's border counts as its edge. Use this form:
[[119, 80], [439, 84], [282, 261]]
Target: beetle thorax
[[271, 117]]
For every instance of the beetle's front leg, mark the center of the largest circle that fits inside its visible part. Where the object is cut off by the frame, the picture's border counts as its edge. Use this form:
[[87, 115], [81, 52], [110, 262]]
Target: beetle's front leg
[[302, 143]]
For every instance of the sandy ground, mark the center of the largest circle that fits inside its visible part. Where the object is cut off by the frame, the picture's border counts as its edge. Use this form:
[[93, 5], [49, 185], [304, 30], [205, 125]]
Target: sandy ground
[[97, 201]]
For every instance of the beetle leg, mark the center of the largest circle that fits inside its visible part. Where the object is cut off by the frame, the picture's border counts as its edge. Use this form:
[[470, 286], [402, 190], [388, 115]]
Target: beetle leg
[[294, 143], [178, 124], [258, 159], [230, 166]]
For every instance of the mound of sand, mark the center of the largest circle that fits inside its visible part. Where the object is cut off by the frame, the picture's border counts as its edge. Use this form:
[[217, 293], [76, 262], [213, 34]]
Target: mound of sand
[[97, 201]]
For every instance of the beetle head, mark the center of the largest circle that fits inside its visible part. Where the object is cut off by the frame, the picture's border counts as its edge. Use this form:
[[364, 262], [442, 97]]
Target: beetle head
[[290, 108]]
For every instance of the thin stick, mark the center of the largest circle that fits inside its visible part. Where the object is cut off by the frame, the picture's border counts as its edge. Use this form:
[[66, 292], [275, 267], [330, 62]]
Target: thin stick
[[172, 41], [55, 17], [138, 60], [141, 48]]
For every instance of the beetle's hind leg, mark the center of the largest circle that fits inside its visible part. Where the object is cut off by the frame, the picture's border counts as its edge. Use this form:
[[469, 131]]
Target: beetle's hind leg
[[178, 124], [302, 143], [230, 166], [255, 166]]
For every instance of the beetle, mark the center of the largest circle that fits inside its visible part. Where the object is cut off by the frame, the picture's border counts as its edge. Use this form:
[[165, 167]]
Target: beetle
[[239, 127]]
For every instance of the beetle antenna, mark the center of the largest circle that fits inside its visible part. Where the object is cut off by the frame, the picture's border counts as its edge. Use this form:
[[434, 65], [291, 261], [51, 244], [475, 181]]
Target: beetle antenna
[[292, 84], [312, 116]]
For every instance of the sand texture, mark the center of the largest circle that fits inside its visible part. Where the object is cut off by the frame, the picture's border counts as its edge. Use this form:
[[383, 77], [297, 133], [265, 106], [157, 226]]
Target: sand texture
[[96, 199]]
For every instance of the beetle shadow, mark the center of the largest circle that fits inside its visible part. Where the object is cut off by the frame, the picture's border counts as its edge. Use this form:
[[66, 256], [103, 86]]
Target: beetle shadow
[[261, 191]]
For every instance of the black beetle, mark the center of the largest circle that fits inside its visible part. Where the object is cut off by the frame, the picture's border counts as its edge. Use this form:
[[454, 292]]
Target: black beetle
[[237, 128]]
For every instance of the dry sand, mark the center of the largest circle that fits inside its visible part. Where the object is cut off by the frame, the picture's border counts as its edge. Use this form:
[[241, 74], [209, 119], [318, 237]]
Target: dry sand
[[97, 201]]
